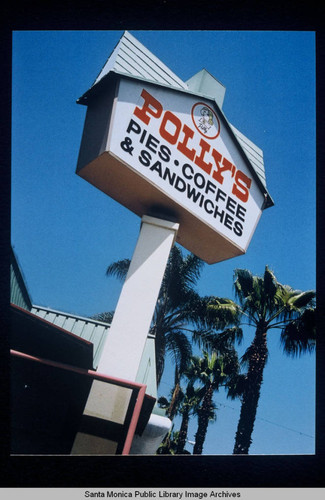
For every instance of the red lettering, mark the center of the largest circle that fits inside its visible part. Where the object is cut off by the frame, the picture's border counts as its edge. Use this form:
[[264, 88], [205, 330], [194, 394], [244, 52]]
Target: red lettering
[[170, 137], [217, 158], [182, 146], [199, 160], [170, 129], [144, 113], [241, 186], [217, 174]]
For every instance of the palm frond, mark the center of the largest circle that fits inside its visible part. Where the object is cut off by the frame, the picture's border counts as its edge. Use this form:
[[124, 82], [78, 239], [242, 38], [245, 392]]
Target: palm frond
[[105, 317], [291, 303], [180, 278], [192, 399], [223, 340], [180, 348], [243, 283], [300, 300], [163, 402], [299, 336], [270, 283], [119, 269], [192, 268], [223, 312], [235, 386], [203, 338], [270, 287]]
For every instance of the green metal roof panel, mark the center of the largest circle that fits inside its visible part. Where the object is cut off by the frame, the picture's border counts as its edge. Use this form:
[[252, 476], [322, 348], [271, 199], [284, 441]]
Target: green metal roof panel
[[147, 369], [19, 294], [96, 332], [207, 85], [131, 58], [86, 328], [253, 153]]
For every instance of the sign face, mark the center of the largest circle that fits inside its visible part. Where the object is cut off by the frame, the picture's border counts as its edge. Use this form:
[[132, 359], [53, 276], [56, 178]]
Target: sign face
[[171, 149]]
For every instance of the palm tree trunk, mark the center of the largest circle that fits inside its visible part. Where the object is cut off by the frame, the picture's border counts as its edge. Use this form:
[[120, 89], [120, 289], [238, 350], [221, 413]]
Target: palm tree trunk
[[183, 433], [253, 383], [160, 349], [203, 421], [173, 407]]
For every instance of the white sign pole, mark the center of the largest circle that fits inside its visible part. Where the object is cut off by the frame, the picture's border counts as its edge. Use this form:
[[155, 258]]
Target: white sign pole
[[128, 332], [127, 336]]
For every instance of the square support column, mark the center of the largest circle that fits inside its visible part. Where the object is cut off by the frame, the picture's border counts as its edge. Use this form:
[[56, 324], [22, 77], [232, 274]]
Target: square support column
[[127, 336], [132, 318]]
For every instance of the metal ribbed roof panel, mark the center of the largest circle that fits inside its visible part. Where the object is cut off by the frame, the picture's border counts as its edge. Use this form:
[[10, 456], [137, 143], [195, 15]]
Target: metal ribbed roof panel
[[132, 58], [253, 153], [86, 328], [96, 332], [19, 294]]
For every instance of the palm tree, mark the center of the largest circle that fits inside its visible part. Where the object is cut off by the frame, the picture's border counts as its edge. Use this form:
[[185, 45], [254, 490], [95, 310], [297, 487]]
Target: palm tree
[[213, 371], [204, 336], [106, 317], [190, 403], [267, 305], [169, 444]]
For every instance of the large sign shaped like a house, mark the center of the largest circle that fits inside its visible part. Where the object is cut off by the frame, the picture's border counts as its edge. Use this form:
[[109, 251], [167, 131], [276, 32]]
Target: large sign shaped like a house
[[163, 147]]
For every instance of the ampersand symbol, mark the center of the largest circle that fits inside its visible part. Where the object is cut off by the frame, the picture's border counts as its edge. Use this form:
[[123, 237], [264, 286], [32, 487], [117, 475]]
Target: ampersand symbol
[[126, 145]]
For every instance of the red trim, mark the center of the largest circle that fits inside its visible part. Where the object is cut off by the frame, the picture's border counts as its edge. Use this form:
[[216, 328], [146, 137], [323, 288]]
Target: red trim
[[140, 388], [134, 421], [48, 323]]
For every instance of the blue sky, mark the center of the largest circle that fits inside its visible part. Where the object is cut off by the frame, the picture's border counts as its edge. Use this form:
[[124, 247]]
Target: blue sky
[[65, 232]]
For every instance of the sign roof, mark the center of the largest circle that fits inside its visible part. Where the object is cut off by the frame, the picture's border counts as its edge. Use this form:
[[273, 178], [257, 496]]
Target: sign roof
[[132, 59]]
